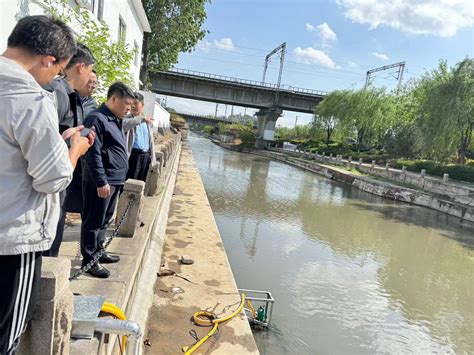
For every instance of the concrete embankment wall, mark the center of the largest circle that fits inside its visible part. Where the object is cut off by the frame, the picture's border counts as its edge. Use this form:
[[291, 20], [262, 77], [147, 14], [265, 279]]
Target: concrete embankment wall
[[391, 191], [205, 283], [457, 191]]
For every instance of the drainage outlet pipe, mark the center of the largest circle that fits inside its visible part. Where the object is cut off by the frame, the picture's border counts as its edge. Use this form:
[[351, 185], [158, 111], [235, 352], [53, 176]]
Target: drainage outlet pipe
[[122, 327]]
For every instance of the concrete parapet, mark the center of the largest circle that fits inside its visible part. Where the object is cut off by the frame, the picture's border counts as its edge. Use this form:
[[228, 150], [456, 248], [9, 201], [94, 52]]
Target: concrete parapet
[[133, 189], [160, 159], [152, 179], [50, 329]]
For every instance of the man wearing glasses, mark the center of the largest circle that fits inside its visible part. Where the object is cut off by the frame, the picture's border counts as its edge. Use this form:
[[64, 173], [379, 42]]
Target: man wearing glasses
[[88, 102], [73, 78], [35, 164]]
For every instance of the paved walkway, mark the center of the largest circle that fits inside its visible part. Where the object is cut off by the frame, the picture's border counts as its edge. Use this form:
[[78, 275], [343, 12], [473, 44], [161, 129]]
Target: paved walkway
[[207, 284]]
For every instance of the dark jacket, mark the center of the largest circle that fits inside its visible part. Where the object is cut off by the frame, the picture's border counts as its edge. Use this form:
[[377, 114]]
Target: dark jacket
[[70, 111], [107, 160], [88, 105], [70, 114]]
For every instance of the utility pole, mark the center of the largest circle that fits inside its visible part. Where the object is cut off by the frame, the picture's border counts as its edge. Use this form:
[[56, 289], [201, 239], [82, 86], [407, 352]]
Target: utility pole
[[225, 114], [281, 49], [296, 121], [401, 68], [215, 114]]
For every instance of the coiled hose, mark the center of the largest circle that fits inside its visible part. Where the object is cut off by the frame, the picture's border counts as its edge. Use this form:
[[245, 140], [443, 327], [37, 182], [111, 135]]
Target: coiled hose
[[207, 319]]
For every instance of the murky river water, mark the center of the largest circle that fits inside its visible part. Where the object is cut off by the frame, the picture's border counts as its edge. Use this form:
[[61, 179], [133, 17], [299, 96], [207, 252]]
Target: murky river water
[[352, 273]]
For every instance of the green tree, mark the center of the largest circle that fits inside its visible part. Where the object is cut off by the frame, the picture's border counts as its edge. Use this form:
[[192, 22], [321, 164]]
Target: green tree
[[328, 113], [446, 109], [176, 26], [114, 59]]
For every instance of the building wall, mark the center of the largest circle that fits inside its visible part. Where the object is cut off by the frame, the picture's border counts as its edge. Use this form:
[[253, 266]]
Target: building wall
[[12, 10]]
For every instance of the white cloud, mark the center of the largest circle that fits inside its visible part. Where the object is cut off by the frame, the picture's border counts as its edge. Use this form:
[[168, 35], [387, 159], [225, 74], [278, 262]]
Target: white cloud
[[352, 64], [225, 44], [324, 31], [380, 56], [421, 17], [313, 56]]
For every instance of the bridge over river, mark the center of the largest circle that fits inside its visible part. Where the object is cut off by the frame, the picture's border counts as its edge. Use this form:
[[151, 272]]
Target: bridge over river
[[270, 99]]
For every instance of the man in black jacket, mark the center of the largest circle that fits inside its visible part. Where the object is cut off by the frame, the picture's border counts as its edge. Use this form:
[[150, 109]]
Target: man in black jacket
[[104, 172], [70, 114]]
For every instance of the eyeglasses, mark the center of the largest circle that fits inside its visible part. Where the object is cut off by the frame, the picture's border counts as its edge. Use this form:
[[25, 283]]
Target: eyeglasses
[[62, 73], [92, 83]]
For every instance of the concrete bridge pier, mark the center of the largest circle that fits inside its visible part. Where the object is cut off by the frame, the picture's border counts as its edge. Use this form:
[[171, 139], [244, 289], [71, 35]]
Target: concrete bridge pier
[[266, 121]]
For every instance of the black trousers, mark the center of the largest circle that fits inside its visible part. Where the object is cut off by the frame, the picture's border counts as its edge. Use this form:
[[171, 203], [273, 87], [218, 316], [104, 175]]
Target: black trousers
[[138, 165], [18, 285], [96, 215]]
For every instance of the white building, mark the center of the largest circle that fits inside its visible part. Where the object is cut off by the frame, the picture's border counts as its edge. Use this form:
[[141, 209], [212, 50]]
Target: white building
[[125, 18]]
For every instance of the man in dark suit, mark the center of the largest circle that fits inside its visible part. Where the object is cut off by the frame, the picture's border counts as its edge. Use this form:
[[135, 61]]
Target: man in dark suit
[[104, 172]]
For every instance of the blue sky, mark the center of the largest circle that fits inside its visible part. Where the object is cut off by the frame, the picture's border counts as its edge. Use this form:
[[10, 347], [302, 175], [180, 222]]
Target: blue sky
[[330, 44]]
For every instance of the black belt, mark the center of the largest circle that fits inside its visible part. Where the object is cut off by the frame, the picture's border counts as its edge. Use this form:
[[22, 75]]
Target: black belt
[[139, 151]]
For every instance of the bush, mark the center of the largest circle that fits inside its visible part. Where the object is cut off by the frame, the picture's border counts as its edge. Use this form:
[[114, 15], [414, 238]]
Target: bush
[[208, 129], [456, 172], [248, 137]]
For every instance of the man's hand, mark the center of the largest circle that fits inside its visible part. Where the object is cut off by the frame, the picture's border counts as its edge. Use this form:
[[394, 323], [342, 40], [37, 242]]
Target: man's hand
[[79, 145], [68, 133], [104, 191], [148, 119]]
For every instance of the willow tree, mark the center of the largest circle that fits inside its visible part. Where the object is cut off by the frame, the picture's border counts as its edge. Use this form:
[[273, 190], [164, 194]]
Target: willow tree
[[362, 112], [446, 109], [176, 26], [329, 113]]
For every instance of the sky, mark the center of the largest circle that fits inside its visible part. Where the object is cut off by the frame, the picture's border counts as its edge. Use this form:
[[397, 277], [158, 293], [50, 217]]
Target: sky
[[330, 44]]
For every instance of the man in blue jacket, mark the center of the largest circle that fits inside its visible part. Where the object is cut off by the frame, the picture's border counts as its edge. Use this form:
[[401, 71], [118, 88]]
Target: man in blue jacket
[[104, 173]]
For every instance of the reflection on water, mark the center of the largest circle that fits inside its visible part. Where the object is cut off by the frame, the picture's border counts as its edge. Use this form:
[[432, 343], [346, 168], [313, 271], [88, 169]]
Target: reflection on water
[[351, 272]]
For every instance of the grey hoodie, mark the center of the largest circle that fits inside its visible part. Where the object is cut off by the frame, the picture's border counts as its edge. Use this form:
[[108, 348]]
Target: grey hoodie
[[34, 163]]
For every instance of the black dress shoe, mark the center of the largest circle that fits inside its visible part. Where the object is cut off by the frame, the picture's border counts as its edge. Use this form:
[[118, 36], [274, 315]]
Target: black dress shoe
[[98, 270], [109, 259]]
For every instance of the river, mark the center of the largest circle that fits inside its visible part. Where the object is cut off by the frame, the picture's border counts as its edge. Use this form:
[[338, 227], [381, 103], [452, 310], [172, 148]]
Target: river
[[351, 273]]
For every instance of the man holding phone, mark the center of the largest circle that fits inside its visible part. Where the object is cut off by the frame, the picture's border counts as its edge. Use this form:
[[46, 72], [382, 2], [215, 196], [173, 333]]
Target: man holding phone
[[70, 114], [36, 164]]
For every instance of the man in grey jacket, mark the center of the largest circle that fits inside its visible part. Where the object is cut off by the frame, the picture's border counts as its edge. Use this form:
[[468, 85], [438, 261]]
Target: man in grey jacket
[[35, 161]]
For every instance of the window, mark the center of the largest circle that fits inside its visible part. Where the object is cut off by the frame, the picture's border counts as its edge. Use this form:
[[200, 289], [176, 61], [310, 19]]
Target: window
[[136, 49], [122, 30]]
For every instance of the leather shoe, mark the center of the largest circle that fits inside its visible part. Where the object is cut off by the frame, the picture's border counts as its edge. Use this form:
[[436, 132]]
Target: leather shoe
[[109, 259], [98, 270]]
